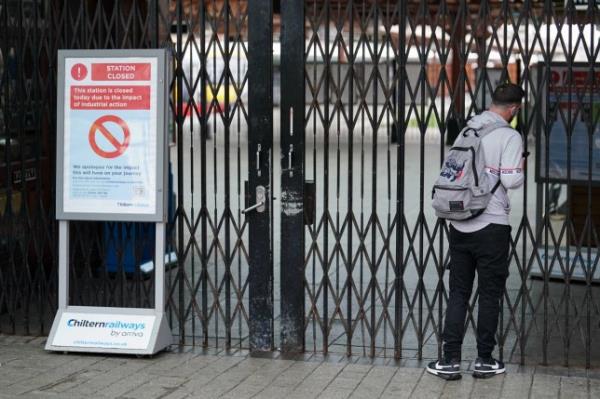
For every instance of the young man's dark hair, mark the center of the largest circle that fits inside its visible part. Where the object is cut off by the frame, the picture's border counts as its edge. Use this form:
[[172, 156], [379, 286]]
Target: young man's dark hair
[[481, 245], [507, 94]]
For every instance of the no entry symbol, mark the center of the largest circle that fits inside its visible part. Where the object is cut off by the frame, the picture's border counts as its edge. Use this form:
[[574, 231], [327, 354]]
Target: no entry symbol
[[116, 137]]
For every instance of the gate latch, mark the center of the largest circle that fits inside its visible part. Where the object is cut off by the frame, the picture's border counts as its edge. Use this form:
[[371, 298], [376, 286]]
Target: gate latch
[[261, 201]]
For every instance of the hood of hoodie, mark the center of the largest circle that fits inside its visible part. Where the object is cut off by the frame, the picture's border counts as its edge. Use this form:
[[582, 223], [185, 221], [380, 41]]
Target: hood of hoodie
[[485, 118]]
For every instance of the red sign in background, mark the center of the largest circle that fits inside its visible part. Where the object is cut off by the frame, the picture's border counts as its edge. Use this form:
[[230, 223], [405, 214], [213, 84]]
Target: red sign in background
[[121, 71], [99, 128], [110, 97]]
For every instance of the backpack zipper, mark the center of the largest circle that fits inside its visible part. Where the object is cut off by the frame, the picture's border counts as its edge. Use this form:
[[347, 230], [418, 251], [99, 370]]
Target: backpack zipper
[[438, 187], [450, 188]]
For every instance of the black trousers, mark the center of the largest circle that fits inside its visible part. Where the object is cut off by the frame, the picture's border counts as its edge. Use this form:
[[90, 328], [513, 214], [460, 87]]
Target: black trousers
[[485, 251]]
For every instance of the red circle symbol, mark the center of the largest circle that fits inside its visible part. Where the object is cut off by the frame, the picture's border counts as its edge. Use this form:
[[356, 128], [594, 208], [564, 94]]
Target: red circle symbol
[[99, 127], [79, 71]]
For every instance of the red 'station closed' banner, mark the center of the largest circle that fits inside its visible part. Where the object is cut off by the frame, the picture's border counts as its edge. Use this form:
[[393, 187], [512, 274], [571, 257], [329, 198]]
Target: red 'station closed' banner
[[121, 71]]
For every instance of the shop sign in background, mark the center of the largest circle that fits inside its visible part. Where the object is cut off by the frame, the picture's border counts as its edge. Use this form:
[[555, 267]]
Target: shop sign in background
[[572, 107]]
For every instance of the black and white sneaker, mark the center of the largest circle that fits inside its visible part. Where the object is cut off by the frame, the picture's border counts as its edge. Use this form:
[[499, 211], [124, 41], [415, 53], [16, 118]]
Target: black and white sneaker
[[448, 370], [486, 368]]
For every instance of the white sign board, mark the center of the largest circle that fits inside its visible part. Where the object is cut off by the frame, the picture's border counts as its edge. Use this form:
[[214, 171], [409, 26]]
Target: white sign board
[[108, 331], [111, 148]]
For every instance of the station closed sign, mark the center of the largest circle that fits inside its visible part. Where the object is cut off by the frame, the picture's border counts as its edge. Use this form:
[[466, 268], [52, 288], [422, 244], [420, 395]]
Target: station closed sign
[[111, 166], [111, 153]]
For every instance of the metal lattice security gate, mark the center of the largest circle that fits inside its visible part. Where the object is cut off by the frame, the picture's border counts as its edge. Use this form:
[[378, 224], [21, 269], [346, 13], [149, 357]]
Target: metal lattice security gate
[[358, 100], [386, 84], [208, 279]]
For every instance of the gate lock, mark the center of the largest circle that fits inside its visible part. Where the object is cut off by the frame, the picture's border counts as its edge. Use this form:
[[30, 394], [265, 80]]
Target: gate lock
[[261, 201]]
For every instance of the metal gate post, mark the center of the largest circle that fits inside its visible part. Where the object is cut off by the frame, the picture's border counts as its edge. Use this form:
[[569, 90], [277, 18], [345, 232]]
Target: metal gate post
[[260, 143], [292, 176]]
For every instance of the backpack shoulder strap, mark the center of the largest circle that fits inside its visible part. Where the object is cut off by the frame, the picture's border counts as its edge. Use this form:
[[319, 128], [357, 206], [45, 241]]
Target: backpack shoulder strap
[[481, 133], [464, 133]]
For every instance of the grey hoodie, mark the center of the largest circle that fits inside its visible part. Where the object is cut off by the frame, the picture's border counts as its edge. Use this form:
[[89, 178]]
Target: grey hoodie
[[503, 149]]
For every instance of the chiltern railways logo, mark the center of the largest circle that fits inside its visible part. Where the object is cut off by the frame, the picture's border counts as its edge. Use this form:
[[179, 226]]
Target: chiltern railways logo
[[117, 324]]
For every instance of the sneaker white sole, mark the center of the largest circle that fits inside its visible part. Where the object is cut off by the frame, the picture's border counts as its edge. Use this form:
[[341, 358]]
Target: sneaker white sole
[[488, 374], [447, 375]]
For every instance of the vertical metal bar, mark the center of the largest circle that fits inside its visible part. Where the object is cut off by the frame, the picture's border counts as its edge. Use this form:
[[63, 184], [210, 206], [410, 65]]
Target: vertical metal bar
[[36, 213], [442, 225], [363, 93], [52, 38], [63, 264], [315, 98], [578, 240], [159, 270], [180, 174], [337, 112], [325, 280], [339, 27], [292, 181], [388, 181], [400, 152], [548, 13], [349, 212], [215, 166], [505, 11], [5, 101], [228, 219], [536, 241], [191, 189], [239, 79], [361, 296], [24, 273], [421, 219], [525, 218], [153, 25], [67, 28], [593, 88], [203, 192], [571, 124], [11, 100], [373, 218], [260, 109], [458, 64]]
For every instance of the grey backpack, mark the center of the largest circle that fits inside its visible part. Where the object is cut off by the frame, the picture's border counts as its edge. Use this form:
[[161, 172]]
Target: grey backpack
[[463, 189]]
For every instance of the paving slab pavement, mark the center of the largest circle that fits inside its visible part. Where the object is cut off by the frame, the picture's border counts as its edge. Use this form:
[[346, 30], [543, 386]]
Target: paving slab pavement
[[28, 371]]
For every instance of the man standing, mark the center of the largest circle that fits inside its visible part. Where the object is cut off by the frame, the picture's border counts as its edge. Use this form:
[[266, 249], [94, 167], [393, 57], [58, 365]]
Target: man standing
[[482, 244]]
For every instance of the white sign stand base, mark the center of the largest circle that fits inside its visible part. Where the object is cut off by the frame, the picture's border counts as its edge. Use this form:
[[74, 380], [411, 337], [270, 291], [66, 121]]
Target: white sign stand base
[[109, 330], [60, 340]]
